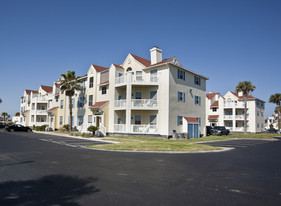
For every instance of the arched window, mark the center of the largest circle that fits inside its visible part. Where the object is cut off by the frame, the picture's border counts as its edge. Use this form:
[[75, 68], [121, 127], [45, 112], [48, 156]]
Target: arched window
[[129, 69]]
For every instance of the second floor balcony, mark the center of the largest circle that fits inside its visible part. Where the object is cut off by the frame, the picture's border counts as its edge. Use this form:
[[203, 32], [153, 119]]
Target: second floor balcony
[[137, 104], [146, 79]]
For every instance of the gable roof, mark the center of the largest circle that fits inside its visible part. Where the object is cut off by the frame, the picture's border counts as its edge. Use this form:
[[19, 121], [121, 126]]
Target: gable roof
[[47, 89], [118, 66], [215, 104], [99, 68], [211, 95], [242, 97], [28, 91], [143, 61]]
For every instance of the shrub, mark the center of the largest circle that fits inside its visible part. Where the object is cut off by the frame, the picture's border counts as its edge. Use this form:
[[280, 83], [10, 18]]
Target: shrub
[[40, 128], [75, 134], [86, 134], [93, 129], [66, 127]]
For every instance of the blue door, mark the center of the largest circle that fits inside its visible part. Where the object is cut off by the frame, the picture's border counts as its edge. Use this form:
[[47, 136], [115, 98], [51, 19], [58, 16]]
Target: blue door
[[196, 132], [190, 130]]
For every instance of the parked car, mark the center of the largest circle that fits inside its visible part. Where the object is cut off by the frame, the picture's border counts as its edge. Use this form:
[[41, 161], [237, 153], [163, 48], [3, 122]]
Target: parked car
[[208, 130], [272, 130], [2, 125], [219, 130], [17, 128]]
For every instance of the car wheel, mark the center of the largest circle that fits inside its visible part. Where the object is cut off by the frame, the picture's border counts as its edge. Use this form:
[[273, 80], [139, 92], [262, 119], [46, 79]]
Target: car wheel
[[28, 130]]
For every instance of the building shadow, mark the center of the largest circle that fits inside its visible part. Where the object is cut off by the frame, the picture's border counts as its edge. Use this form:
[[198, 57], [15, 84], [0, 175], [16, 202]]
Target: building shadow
[[48, 190]]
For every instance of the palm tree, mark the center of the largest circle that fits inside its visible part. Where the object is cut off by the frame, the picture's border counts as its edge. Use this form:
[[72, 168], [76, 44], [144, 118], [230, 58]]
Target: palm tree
[[276, 98], [0, 100], [69, 83], [245, 87], [4, 114], [17, 114]]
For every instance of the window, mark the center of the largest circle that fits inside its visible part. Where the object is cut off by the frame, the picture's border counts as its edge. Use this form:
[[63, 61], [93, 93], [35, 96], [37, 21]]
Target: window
[[214, 109], [91, 82], [181, 96], [261, 125], [61, 104], [179, 122], [197, 100], [262, 114], [90, 100], [138, 95], [258, 113], [61, 119], [103, 90], [90, 119], [71, 121], [137, 119], [57, 98], [258, 125], [181, 74], [80, 102], [80, 120], [153, 72], [197, 80]]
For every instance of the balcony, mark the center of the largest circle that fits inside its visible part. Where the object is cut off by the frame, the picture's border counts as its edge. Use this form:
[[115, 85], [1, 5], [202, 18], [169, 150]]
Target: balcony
[[144, 104], [42, 99], [144, 79], [228, 117], [239, 117], [138, 129], [137, 104], [39, 112], [120, 103], [233, 104]]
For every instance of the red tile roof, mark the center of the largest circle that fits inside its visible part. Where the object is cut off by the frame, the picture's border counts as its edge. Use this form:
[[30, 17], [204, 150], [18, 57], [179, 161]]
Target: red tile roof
[[191, 119], [99, 68], [215, 104], [29, 91], [213, 116], [52, 109], [143, 61], [242, 97], [47, 89], [118, 66], [98, 104], [211, 95]]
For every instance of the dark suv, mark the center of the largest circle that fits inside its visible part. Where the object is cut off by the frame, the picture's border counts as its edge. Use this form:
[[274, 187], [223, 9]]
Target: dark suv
[[219, 130]]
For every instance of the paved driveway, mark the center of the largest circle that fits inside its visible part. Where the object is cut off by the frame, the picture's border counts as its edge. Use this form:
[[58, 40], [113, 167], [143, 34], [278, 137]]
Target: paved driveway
[[35, 172]]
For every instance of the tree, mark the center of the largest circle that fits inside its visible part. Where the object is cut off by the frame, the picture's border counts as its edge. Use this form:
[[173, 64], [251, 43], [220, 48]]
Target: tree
[[245, 87], [4, 114], [93, 129], [70, 83], [0, 100], [276, 98], [17, 114]]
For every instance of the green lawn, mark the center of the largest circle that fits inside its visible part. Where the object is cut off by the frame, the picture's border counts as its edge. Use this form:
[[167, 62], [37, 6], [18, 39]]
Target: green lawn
[[130, 143]]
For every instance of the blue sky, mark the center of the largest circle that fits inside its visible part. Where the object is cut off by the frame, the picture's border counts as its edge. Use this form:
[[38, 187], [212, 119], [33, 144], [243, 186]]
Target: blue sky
[[226, 40]]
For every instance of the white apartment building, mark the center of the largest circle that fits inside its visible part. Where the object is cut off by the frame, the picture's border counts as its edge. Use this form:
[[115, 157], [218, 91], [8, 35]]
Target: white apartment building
[[34, 106], [228, 111], [138, 97]]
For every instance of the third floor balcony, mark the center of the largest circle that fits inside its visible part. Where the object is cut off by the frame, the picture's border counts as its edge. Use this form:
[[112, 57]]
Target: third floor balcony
[[138, 79], [137, 104]]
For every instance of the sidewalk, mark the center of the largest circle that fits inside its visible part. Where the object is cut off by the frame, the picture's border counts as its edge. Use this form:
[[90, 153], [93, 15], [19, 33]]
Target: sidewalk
[[99, 139]]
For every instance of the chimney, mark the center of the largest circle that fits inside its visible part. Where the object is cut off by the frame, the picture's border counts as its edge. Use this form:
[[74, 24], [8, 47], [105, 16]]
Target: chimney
[[155, 55]]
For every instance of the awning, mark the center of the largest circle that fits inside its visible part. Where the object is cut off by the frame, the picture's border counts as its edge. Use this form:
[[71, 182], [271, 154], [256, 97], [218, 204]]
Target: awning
[[98, 105], [191, 119]]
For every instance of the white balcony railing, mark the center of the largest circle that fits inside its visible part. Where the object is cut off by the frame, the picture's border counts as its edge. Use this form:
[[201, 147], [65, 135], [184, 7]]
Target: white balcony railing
[[240, 117], [139, 79], [228, 117], [144, 103], [40, 99], [120, 128], [150, 129], [120, 103], [234, 105]]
